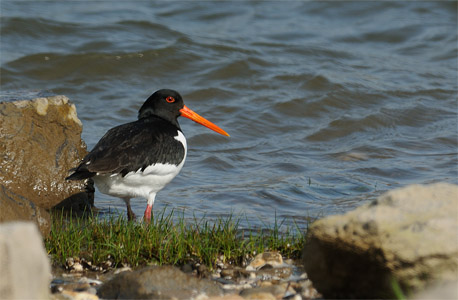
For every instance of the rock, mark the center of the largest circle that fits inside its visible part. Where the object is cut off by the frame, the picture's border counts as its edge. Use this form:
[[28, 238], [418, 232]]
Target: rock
[[227, 297], [71, 295], [157, 282], [275, 273], [444, 290], [234, 273], [260, 296], [15, 207], [40, 140], [265, 292], [305, 289], [408, 235], [83, 284], [25, 271], [273, 259], [227, 273]]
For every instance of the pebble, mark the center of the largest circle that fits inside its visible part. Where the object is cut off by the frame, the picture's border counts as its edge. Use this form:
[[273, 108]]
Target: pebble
[[235, 287], [120, 270], [79, 295], [77, 267], [260, 296], [267, 276], [273, 259], [227, 297]]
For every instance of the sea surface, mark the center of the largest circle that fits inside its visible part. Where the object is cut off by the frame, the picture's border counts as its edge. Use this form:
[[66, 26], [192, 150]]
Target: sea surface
[[328, 104]]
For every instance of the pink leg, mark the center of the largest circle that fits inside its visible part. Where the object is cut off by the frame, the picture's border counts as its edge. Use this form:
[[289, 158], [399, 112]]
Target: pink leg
[[147, 216], [149, 207]]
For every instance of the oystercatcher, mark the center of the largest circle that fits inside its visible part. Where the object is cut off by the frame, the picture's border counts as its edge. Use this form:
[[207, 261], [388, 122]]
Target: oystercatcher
[[138, 159]]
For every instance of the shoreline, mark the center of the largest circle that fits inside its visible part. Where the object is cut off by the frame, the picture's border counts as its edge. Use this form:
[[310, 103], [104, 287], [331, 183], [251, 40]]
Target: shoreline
[[245, 263]]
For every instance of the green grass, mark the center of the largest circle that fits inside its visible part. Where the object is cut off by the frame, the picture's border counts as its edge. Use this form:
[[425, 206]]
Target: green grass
[[169, 239], [397, 290]]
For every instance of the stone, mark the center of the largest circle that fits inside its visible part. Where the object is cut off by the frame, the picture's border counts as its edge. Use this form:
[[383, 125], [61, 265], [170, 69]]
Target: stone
[[444, 290], [40, 140], [305, 289], [16, 207], [72, 295], [157, 282], [25, 271], [264, 292], [227, 297], [273, 259], [408, 235], [260, 296], [235, 273], [275, 273]]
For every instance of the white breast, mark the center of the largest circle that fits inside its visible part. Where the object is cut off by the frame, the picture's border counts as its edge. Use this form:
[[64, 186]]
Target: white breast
[[140, 184]]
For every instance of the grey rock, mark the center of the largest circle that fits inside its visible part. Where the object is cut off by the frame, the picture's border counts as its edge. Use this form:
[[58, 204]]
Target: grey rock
[[157, 282], [25, 271], [443, 290], [408, 235]]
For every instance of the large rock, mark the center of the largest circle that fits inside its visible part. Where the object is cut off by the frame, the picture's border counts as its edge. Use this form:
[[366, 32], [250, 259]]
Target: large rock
[[15, 207], [25, 271], [40, 140], [445, 290], [157, 282], [408, 235]]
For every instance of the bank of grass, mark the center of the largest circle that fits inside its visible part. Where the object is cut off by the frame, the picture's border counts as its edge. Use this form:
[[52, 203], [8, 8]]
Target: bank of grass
[[169, 239]]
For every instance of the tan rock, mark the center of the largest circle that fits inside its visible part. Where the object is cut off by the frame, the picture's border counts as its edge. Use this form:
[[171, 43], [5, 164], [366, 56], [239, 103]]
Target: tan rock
[[273, 259], [15, 207], [227, 297], [72, 295], [40, 140], [260, 296], [443, 290], [265, 292], [408, 234]]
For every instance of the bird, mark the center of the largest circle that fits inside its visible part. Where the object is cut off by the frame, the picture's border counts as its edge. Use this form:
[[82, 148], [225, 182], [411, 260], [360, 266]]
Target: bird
[[138, 159]]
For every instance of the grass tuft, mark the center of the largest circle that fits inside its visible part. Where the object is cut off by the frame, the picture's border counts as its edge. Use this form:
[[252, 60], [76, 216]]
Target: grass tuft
[[169, 239]]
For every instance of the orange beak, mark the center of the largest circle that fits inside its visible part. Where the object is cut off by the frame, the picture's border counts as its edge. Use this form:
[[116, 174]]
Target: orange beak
[[186, 112]]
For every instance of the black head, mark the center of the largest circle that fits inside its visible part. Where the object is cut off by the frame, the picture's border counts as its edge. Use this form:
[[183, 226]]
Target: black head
[[163, 103], [168, 105]]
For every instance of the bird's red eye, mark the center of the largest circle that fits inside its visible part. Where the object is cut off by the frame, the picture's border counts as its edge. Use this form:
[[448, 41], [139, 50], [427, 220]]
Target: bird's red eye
[[170, 99]]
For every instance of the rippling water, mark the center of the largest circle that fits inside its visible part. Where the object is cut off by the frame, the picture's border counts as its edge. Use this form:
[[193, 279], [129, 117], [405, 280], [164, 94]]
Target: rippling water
[[328, 104]]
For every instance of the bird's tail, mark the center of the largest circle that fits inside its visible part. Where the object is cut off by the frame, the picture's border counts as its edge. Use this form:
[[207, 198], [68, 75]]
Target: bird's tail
[[80, 174]]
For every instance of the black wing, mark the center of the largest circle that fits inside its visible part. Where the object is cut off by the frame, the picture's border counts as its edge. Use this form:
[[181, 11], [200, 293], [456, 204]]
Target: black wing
[[132, 146]]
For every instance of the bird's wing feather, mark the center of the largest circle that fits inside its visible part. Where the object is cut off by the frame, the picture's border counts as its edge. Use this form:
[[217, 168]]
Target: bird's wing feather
[[132, 146]]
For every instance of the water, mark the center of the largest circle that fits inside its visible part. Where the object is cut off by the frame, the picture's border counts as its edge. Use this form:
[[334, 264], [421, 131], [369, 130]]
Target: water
[[328, 104]]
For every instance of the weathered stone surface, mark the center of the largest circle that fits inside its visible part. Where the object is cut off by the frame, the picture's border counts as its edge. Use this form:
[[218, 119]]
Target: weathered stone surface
[[286, 281], [15, 207], [273, 259], [40, 140], [25, 272], [255, 295], [447, 290], [71, 295], [408, 234], [227, 297], [265, 292], [158, 282]]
